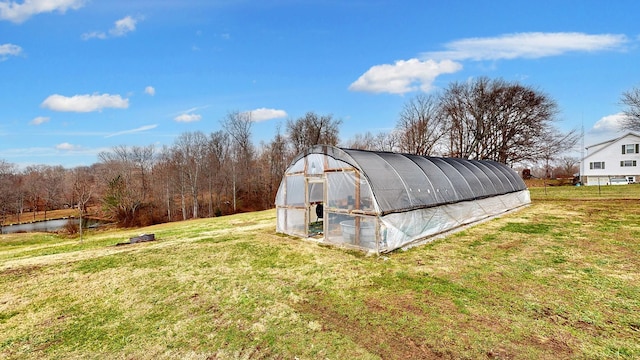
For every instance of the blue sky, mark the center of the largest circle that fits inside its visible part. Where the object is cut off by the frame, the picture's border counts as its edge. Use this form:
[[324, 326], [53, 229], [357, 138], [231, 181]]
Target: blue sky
[[82, 76]]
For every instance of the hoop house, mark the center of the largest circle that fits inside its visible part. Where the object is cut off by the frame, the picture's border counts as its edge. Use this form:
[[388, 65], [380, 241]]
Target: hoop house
[[382, 201]]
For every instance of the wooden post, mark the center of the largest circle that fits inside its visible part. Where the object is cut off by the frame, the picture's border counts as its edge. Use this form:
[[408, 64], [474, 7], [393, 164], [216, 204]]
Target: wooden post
[[377, 233], [356, 206], [306, 204], [286, 211]]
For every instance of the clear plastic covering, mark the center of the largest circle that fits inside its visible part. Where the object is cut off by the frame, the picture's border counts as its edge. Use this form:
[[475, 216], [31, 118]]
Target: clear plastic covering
[[296, 167], [346, 191], [381, 201], [316, 192], [403, 229], [294, 190], [353, 231], [315, 164], [291, 221]]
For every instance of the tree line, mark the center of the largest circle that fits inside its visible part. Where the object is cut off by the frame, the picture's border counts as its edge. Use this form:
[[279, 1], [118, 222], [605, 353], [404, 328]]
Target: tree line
[[224, 172], [199, 175]]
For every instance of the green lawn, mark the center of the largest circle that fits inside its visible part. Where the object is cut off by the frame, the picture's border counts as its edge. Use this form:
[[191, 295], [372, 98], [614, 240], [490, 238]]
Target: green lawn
[[558, 279]]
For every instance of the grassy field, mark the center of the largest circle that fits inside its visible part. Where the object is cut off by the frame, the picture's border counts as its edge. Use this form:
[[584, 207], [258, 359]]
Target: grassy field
[[558, 279]]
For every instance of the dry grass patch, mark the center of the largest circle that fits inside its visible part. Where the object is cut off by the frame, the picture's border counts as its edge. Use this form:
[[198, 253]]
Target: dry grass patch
[[558, 279]]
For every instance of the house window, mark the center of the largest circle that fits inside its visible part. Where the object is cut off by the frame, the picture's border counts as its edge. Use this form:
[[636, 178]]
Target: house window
[[596, 165], [628, 163], [631, 148]]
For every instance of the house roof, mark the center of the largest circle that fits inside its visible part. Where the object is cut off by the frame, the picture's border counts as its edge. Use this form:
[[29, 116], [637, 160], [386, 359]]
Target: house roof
[[609, 142]]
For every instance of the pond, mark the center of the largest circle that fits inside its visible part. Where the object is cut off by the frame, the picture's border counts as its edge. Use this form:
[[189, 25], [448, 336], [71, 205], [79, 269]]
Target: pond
[[45, 226]]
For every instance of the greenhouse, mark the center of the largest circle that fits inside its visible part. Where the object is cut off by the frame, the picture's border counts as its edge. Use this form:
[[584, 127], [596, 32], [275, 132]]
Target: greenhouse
[[382, 201]]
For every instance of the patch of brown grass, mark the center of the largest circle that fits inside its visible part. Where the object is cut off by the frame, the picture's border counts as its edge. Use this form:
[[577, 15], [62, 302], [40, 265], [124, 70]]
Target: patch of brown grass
[[376, 339], [558, 279]]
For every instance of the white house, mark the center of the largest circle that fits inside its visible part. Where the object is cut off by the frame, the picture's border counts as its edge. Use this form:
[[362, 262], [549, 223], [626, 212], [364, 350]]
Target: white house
[[613, 161]]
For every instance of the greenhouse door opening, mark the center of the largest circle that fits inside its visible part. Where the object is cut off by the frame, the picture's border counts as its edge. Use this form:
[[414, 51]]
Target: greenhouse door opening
[[315, 206]]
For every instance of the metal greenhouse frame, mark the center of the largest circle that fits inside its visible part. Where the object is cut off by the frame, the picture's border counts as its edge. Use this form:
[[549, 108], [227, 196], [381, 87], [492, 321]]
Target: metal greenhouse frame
[[382, 201]]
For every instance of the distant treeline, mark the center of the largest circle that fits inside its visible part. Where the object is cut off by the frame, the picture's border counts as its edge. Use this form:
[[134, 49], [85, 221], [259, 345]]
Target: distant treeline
[[205, 175]]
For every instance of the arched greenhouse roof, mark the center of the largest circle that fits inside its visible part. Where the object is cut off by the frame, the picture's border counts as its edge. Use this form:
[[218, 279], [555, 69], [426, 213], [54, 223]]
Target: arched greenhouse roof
[[404, 182]]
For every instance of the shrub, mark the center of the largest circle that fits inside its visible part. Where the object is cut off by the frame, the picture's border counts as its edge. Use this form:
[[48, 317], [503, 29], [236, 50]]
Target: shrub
[[71, 227]]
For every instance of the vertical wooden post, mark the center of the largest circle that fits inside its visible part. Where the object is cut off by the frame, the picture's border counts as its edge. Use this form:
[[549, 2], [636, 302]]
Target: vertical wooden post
[[377, 234], [306, 205], [356, 206], [306, 195], [286, 209], [325, 196]]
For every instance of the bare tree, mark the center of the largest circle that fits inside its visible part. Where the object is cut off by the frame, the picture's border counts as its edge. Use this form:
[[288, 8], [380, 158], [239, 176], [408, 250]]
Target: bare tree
[[382, 141], [554, 143], [387, 141], [631, 99], [18, 194], [366, 141], [191, 147], [165, 169], [275, 158], [421, 125], [313, 129], [238, 127], [568, 165], [7, 189], [496, 120], [143, 158], [178, 179], [34, 184], [126, 191], [217, 156], [83, 187], [52, 184], [84, 184]]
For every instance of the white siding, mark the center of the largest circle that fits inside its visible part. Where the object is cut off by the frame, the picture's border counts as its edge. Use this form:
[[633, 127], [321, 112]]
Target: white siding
[[610, 153]]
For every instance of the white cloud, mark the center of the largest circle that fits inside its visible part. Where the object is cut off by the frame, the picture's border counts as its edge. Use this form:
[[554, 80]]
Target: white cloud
[[94, 35], [527, 45], [188, 118], [133, 131], [123, 26], [609, 124], [24, 157], [403, 76], [7, 50], [150, 90], [410, 75], [84, 103], [67, 147], [263, 114], [193, 109], [120, 28], [18, 13], [39, 120]]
